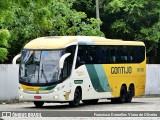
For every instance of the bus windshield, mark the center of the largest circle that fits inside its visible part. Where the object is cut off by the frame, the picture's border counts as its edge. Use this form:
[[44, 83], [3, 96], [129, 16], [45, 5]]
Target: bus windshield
[[40, 67]]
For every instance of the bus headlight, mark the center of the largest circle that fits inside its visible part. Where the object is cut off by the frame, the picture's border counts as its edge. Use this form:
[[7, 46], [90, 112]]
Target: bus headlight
[[21, 96], [55, 97], [55, 90], [21, 89]]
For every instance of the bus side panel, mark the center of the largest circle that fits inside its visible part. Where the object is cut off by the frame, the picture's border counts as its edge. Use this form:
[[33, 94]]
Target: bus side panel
[[119, 74], [140, 86], [105, 81], [95, 83]]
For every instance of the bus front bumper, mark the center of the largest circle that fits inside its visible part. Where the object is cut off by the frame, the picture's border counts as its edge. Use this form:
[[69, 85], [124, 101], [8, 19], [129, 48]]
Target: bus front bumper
[[49, 97]]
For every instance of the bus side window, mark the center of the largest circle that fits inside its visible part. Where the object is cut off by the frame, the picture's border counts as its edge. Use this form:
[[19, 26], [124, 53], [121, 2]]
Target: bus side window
[[124, 54], [68, 61], [113, 55], [141, 53], [81, 56], [130, 55], [91, 55], [108, 56], [99, 54], [66, 69], [135, 56]]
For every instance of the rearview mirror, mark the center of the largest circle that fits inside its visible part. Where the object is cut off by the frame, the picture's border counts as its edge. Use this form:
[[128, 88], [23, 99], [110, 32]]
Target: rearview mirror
[[15, 59], [62, 59]]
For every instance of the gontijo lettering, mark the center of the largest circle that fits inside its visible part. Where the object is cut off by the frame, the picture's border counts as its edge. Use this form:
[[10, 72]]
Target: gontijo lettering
[[121, 70]]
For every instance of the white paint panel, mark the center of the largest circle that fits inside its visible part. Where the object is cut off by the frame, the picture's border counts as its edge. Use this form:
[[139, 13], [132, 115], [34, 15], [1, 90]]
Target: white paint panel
[[8, 82], [152, 79]]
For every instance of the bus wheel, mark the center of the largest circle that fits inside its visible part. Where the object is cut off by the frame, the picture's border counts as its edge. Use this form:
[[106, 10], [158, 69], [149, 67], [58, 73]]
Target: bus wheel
[[114, 100], [130, 94], [76, 100], [123, 95], [38, 104], [90, 102]]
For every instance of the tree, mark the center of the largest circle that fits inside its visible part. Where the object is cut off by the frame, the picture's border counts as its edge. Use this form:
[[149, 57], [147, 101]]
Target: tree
[[5, 18], [36, 18], [135, 20], [4, 35], [127, 20]]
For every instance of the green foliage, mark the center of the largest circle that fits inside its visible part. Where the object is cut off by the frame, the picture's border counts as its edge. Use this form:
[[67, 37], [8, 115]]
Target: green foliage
[[127, 19], [30, 19], [87, 6], [54, 17], [135, 20], [4, 35], [6, 16], [3, 54]]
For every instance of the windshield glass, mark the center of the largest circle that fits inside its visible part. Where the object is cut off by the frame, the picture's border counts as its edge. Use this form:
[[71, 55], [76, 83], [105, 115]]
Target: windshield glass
[[40, 67]]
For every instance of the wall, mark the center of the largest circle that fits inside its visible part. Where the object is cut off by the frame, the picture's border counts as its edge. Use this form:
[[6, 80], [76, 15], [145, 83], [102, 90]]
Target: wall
[[9, 81], [153, 79]]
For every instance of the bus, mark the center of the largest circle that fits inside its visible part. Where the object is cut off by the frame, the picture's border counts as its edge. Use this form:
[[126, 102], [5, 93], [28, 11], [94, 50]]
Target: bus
[[72, 69]]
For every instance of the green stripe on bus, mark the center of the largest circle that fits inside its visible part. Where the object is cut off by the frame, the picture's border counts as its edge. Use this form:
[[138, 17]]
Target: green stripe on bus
[[102, 77], [94, 78], [47, 87]]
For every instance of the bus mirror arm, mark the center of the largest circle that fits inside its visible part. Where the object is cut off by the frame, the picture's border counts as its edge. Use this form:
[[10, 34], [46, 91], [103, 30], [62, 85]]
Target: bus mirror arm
[[62, 59]]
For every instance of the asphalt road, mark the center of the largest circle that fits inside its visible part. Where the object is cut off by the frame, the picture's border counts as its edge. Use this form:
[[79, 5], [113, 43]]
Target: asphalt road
[[138, 104]]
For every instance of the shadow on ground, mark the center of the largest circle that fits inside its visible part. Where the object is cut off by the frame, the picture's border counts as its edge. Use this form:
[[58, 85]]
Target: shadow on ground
[[66, 105]]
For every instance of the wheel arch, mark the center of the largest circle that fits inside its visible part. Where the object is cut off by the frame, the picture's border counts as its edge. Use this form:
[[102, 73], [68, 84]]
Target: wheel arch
[[124, 85], [80, 89]]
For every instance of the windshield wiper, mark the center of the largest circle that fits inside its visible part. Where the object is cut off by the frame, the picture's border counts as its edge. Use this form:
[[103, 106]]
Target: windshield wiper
[[42, 73]]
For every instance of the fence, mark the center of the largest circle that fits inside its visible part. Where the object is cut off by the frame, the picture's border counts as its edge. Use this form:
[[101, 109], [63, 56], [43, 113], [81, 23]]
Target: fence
[[9, 81]]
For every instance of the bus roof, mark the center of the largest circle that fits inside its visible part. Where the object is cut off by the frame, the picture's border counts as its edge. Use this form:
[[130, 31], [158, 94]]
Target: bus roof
[[58, 42]]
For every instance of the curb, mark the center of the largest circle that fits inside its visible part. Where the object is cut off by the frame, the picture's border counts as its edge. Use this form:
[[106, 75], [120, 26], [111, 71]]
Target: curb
[[9, 101], [149, 96]]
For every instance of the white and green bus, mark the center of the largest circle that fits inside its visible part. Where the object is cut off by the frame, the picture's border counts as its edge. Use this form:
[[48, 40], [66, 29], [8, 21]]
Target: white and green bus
[[88, 68]]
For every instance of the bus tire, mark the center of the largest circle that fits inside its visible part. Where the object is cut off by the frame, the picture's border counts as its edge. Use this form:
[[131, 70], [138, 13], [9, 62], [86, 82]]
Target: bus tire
[[38, 104], [130, 94], [76, 100], [114, 100], [123, 95], [90, 102]]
